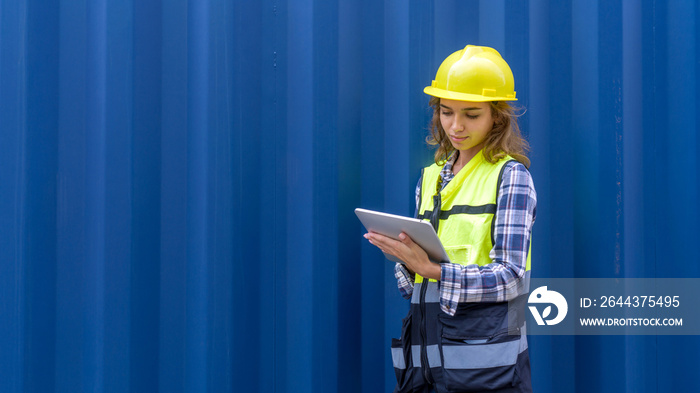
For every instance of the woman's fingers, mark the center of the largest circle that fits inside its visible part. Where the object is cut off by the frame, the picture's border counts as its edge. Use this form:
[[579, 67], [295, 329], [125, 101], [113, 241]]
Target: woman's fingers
[[384, 243], [406, 250]]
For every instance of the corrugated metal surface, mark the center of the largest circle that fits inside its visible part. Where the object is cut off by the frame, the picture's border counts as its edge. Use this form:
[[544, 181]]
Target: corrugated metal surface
[[177, 182]]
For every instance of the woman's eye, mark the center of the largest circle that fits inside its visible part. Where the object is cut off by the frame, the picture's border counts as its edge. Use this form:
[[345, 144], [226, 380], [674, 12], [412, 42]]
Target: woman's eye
[[472, 116], [446, 113]]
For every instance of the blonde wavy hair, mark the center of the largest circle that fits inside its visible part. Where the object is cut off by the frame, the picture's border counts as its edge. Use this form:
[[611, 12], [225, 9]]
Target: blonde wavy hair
[[503, 139]]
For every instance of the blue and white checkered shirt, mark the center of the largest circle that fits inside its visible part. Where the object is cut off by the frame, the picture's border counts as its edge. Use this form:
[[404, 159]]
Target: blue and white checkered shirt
[[497, 281]]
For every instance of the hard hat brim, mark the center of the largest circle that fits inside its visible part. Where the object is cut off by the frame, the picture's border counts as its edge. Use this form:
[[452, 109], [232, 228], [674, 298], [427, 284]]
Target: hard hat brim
[[451, 95]]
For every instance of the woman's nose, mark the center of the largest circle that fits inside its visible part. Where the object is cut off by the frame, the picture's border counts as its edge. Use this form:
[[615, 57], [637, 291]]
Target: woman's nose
[[456, 124]]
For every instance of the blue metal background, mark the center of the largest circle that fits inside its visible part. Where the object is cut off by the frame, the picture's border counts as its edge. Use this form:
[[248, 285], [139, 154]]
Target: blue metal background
[[177, 182]]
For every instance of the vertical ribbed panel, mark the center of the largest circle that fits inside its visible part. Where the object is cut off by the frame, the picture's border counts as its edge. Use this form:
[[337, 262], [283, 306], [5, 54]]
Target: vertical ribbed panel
[[147, 198], [178, 179]]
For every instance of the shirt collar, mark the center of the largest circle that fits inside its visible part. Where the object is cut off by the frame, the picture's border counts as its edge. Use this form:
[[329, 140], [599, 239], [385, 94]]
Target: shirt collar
[[446, 174]]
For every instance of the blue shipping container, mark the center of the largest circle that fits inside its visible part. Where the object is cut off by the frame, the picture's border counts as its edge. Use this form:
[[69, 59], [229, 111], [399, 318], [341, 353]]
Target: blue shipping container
[[178, 179]]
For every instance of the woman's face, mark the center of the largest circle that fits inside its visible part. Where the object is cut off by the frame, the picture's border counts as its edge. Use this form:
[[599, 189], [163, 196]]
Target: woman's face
[[466, 123]]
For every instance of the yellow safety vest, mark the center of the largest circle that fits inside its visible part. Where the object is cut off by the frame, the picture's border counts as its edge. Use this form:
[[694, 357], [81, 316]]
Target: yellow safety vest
[[474, 349], [467, 206]]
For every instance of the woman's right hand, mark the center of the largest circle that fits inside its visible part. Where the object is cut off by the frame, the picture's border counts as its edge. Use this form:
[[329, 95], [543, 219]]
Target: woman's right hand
[[414, 257]]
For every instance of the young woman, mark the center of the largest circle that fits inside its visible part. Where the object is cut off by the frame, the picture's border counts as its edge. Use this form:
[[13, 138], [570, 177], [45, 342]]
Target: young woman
[[465, 330]]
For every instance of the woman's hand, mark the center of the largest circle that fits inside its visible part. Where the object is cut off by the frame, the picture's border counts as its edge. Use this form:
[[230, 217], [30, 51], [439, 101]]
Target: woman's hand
[[409, 252]]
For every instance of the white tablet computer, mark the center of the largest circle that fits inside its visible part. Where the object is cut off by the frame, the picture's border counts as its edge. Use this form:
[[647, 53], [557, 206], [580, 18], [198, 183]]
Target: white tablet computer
[[392, 225]]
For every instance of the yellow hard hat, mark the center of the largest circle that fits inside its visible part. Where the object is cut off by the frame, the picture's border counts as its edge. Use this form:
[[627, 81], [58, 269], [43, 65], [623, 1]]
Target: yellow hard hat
[[475, 73]]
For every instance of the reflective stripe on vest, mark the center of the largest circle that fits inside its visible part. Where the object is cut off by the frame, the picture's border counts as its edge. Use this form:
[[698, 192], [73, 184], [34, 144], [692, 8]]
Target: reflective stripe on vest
[[475, 356]]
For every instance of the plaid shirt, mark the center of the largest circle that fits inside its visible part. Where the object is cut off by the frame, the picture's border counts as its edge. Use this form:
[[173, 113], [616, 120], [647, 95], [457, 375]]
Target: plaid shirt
[[498, 281]]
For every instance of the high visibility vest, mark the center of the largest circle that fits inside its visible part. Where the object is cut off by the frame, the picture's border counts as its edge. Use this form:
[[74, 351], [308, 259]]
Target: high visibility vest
[[464, 218], [475, 349]]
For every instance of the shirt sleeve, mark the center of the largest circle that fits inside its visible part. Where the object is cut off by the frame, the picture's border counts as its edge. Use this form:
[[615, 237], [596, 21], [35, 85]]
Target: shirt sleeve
[[501, 280], [404, 279]]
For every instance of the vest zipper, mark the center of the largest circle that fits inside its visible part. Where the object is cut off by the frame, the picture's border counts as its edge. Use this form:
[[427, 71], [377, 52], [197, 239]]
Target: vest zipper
[[435, 216], [423, 334], [435, 221]]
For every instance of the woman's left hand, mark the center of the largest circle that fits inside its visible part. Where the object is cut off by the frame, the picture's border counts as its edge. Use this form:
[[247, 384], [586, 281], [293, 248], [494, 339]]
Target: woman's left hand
[[408, 251]]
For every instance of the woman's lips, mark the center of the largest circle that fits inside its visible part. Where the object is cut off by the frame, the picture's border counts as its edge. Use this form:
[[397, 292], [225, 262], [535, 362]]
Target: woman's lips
[[458, 139]]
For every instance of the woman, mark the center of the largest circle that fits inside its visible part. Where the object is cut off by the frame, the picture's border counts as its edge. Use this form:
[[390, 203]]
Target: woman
[[465, 329]]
